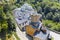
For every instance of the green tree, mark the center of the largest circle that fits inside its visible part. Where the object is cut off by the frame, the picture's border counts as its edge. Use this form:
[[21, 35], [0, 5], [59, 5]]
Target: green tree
[[46, 10], [56, 17], [6, 8], [11, 26], [49, 16]]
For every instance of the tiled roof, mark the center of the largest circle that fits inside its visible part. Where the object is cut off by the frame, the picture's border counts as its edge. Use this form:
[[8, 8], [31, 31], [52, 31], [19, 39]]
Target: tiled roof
[[20, 21]]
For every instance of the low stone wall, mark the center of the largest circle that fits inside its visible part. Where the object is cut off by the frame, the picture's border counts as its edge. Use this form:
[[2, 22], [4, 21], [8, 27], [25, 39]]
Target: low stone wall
[[53, 31]]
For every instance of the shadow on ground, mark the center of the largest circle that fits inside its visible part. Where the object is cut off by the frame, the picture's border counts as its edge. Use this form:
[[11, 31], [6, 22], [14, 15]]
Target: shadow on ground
[[29, 37]]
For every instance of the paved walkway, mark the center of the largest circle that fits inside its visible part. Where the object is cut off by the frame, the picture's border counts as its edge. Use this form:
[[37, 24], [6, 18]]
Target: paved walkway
[[20, 34], [55, 35]]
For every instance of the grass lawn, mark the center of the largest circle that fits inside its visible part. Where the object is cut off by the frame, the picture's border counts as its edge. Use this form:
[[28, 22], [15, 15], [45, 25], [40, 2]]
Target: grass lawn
[[52, 25]]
